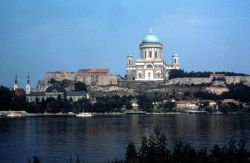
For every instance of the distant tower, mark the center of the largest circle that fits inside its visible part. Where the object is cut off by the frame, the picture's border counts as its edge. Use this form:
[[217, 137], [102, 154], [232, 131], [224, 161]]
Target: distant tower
[[130, 67], [175, 61], [15, 84], [28, 88]]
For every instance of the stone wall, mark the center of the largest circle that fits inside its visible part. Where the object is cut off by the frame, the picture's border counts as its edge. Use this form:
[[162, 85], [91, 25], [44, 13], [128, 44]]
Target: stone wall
[[197, 81], [238, 79], [190, 81], [92, 80]]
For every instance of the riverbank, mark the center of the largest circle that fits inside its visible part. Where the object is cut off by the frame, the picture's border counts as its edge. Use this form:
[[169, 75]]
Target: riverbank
[[190, 112]]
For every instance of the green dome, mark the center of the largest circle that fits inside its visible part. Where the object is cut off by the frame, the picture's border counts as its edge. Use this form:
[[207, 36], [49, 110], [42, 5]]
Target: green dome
[[151, 39], [129, 55]]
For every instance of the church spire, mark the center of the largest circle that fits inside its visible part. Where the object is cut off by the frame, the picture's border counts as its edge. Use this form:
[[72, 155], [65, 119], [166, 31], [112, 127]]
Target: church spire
[[15, 83], [16, 79], [28, 87], [28, 80], [150, 31]]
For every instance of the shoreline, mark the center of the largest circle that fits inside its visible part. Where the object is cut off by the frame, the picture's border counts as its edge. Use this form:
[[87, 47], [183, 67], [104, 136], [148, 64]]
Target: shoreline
[[25, 114]]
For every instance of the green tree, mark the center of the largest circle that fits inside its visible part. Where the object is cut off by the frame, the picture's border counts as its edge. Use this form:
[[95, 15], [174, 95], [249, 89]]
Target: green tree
[[79, 86], [128, 104], [145, 103], [169, 106], [82, 105], [225, 108], [52, 81], [131, 154], [6, 98], [153, 149]]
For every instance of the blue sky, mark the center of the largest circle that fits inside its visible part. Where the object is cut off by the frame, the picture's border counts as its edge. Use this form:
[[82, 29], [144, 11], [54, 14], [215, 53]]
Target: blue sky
[[48, 35]]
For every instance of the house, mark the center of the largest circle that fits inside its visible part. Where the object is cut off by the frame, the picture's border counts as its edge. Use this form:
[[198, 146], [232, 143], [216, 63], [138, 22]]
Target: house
[[187, 104], [229, 101]]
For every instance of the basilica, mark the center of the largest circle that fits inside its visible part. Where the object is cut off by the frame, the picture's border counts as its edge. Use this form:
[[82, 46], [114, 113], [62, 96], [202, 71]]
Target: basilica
[[151, 65]]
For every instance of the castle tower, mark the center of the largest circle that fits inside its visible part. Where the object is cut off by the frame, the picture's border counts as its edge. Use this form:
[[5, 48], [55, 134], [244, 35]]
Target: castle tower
[[130, 67], [28, 87], [130, 59], [15, 86], [175, 61]]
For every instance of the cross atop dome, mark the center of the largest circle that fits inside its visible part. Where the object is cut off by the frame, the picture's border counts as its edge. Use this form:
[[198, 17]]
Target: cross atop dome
[[150, 31]]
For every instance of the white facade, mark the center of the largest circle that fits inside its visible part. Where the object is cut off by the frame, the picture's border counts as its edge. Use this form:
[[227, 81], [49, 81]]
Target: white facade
[[28, 87], [15, 86], [151, 65]]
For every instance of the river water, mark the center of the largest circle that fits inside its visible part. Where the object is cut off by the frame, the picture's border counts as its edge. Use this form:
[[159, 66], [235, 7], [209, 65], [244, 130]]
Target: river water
[[101, 138]]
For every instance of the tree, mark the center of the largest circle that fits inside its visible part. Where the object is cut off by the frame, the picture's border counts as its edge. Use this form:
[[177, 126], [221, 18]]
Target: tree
[[79, 86], [153, 149], [224, 108], [131, 154], [52, 81], [6, 98], [169, 106], [128, 105], [145, 103], [81, 105]]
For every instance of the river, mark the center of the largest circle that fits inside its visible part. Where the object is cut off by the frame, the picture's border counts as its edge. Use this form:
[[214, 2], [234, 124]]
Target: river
[[100, 138]]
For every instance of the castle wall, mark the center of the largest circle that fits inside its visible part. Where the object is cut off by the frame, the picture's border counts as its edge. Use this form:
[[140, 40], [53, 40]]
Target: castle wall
[[197, 81]]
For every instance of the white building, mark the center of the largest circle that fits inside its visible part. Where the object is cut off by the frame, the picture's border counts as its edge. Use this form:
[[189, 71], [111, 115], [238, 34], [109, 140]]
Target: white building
[[151, 65]]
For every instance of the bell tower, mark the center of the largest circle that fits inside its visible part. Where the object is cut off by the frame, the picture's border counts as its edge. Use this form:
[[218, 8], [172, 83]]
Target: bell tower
[[175, 61], [130, 67]]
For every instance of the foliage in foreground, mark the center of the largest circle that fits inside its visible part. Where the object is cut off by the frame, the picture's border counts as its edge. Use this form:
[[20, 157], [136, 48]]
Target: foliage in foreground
[[153, 149]]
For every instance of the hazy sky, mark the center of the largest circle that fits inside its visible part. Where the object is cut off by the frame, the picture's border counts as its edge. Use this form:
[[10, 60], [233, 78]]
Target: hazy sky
[[48, 35]]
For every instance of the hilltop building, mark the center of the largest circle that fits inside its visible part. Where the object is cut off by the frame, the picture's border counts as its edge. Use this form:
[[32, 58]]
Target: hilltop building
[[151, 65], [93, 77]]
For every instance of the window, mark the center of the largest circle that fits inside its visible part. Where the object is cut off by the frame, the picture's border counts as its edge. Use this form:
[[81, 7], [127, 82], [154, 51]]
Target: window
[[129, 62], [150, 54], [158, 74], [155, 54], [149, 66], [145, 55], [174, 60], [139, 75], [149, 74]]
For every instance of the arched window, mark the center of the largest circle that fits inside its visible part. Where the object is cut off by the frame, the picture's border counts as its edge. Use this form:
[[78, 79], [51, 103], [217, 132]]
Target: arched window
[[155, 54], [145, 54], [149, 66]]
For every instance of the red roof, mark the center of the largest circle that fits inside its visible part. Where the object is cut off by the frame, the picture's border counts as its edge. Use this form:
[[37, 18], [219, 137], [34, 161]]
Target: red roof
[[229, 101], [94, 70], [19, 92]]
